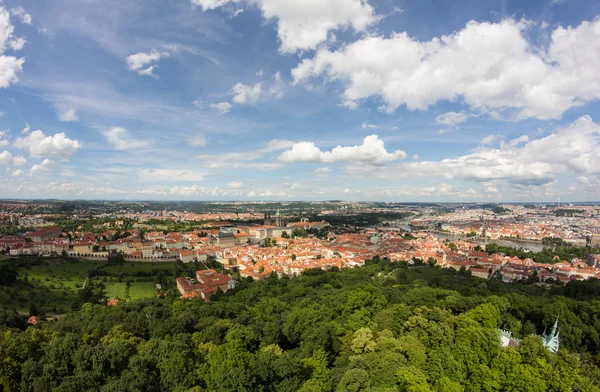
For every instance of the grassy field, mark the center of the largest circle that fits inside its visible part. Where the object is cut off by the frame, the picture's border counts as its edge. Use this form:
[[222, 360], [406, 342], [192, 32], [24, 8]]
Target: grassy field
[[53, 285], [70, 275], [137, 290]]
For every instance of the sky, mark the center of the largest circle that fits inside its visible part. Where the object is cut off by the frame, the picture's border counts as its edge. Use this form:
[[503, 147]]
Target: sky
[[374, 100]]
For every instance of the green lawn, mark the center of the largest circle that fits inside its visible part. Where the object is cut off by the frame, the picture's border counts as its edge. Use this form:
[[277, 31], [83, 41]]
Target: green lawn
[[116, 290], [142, 290], [137, 290], [69, 275], [53, 286]]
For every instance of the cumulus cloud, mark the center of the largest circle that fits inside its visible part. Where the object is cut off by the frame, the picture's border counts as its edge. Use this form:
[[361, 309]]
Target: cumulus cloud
[[42, 146], [43, 166], [138, 62], [244, 94], [322, 170], [235, 184], [568, 151], [372, 152], [10, 66], [23, 16], [7, 159], [18, 173], [490, 66], [17, 44], [5, 142], [303, 25]]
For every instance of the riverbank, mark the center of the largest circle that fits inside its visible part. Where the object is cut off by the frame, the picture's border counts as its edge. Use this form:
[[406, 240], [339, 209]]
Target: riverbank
[[530, 245]]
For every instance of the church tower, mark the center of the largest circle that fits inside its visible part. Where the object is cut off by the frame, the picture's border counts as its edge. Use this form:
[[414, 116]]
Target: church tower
[[552, 339]]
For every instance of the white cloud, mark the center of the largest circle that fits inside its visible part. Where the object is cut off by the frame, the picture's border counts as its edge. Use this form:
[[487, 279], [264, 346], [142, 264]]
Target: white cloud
[[42, 146], [372, 152], [519, 140], [276, 144], [7, 159], [235, 184], [366, 125], [264, 166], [43, 166], [442, 189], [26, 130], [66, 114], [303, 25], [568, 151], [267, 193], [186, 191], [137, 62], [198, 140], [444, 131], [17, 43], [121, 139], [10, 66], [4, 143], [490, 66], [18, 173], [277, 89], [169, 175], [491, 139], [19, 160], [322, 170], [452, 118], [221, 107], [244, 94], [23, 16]]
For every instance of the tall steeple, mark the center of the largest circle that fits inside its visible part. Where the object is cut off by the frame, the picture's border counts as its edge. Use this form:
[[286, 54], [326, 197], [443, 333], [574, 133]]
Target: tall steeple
[[552, 340]]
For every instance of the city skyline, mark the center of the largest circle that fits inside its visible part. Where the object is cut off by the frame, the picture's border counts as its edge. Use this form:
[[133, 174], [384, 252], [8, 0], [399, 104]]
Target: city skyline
[[284, 100]]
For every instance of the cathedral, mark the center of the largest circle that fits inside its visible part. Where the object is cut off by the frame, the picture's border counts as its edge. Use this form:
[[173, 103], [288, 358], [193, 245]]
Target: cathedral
[[277, 221]]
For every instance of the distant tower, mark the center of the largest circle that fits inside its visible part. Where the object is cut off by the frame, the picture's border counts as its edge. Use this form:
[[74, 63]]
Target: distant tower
[[278, 218], [268, 220], [552, 340]]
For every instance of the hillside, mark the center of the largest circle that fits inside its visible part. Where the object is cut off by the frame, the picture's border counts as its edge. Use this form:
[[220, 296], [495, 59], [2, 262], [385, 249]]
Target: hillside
[[382, 327]]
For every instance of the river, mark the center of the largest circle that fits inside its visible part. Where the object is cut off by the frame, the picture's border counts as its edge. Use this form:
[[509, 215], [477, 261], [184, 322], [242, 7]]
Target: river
[[529, 245]]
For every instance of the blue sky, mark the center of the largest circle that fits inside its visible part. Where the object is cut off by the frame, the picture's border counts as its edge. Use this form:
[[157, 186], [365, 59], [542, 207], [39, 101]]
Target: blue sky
[[300, 100]]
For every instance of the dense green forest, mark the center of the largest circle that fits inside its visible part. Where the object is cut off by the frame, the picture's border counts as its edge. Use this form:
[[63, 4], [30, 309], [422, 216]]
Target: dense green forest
[[382, 327]]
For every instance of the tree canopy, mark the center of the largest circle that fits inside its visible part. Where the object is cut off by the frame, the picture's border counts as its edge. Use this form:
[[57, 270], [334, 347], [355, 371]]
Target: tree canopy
[[383, 327]]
